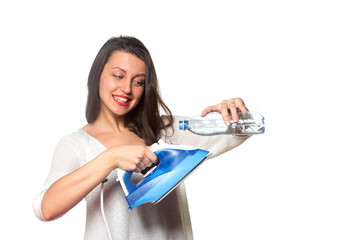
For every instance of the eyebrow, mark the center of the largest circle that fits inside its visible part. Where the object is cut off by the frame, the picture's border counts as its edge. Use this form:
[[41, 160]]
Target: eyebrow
[[137, 75]]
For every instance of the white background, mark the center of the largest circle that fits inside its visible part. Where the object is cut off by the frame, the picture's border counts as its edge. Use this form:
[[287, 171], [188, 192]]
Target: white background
[[296, 62]]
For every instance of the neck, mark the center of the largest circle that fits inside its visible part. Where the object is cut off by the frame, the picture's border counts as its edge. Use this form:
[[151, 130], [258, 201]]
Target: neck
[[108, 122]]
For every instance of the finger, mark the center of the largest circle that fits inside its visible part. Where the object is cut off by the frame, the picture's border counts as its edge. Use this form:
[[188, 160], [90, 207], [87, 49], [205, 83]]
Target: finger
[[147, 162], [213, 108], [151, 156], [141, 165], [225, 112], [233, 111], [205, 112], [241, 106]]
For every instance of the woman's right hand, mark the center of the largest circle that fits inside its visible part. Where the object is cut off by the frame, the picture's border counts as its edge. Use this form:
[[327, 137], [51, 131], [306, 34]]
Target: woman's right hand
[[133, 158], [69, 190]]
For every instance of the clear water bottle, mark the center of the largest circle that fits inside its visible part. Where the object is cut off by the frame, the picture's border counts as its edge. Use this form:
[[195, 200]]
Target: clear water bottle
[[213, 123]]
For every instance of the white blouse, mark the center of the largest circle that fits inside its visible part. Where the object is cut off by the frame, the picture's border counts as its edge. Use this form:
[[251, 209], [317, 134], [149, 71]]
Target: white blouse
[[169, 219]]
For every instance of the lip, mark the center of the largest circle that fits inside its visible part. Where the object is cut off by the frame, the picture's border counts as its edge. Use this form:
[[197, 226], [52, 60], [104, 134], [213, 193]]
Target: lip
[[122, 103]]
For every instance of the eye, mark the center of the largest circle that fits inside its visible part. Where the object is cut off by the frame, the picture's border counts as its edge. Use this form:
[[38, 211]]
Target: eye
[[139, 83], [119, 77]]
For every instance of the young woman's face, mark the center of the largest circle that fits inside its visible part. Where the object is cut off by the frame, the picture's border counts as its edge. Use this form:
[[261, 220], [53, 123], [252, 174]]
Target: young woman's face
[[122, 83]]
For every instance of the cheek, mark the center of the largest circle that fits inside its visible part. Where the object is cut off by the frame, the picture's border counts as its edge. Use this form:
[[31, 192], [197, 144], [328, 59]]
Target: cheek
[[138, 92], [106, 86]]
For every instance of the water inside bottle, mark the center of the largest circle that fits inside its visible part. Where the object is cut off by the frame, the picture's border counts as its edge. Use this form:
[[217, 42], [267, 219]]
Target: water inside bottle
[[213, 123]]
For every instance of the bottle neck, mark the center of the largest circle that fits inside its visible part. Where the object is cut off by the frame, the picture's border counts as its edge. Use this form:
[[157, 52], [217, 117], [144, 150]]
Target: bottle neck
[[183, 125]]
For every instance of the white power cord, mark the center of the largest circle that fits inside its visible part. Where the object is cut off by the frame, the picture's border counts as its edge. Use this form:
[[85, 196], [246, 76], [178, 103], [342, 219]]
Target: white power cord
[[102, 208]]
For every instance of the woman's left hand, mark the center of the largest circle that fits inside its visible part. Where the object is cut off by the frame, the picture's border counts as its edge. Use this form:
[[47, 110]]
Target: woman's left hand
[[226, 107]]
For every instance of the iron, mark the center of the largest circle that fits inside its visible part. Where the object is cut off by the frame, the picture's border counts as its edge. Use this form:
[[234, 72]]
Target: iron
[[176, 162]]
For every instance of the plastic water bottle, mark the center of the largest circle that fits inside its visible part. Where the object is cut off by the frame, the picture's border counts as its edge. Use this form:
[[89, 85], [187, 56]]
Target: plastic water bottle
[[213, 123]]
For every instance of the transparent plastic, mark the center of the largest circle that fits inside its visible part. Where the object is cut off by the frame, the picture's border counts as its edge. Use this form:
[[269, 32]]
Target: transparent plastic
[[213, 124]]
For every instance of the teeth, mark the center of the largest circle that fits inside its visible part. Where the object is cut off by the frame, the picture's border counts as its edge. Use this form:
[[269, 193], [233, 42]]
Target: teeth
[[124, 100]]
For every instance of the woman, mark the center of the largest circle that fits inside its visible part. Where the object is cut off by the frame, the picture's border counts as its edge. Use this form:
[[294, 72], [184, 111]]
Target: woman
[[123, 114]]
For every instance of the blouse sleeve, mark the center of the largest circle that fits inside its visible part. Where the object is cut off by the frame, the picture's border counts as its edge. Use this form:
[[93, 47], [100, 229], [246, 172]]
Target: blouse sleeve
[[216, 144], [66, 158]]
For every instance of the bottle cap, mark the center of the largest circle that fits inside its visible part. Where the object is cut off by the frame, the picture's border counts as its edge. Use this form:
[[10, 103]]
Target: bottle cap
[[183, 125]]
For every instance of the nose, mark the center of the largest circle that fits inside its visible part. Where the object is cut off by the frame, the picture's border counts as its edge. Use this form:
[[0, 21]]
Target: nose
[[125, 86]]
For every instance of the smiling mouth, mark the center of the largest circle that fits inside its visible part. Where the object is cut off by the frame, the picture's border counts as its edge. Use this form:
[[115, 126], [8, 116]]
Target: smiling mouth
[[122, 100]]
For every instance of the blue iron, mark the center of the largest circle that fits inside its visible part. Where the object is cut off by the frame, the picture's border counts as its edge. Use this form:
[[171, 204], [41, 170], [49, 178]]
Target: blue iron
[[176, 162]]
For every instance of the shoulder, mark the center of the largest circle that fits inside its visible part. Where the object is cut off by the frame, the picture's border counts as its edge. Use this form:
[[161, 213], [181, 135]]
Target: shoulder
[[73, 141], [69, 154], [81, 144], [73, 137]]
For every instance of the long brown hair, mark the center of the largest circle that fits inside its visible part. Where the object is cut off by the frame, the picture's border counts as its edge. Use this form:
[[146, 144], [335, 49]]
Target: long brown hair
[[144, 120]]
